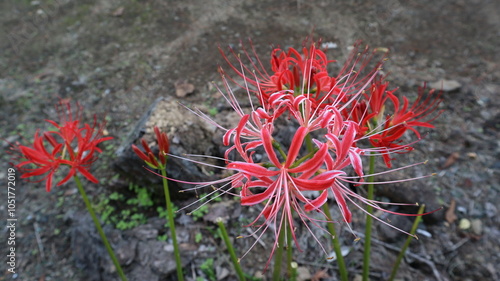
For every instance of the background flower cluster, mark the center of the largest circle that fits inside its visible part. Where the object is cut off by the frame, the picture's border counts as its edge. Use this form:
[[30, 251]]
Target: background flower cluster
[[72, 144]]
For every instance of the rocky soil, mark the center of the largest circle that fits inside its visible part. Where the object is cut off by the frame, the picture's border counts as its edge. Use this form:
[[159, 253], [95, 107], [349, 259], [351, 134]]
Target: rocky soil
[[117, 57]]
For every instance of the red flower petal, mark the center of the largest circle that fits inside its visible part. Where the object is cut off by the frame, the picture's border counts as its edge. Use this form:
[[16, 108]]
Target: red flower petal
[[267, 142], [251, 169], [317, 202], [297, 141]]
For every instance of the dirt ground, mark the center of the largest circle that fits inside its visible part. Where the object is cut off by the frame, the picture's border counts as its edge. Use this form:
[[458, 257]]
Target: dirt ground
[[116, 57]]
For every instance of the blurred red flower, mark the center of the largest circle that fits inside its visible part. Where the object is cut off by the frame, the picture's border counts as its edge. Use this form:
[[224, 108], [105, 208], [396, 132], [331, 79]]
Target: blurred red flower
[[305, 73], [71, 144]]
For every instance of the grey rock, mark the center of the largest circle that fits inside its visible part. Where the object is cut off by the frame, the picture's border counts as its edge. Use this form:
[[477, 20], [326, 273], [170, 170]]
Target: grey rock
[[477, 226], [145, 232], [191, 135], [491, 210], [89, 253], [388, 234]]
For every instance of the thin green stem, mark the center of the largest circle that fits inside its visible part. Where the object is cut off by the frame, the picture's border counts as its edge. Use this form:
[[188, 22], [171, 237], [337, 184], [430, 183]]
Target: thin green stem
[[291, 269], [407, 243], [171, 223], [99, 229], [280, 150], [330, 226], [309, 143], [369, 219], [336, 244], [304, 158], [278, 255], [230, 248]]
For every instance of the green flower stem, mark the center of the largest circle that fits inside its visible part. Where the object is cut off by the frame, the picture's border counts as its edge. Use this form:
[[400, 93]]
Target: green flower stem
[[171, 223], [336, 243], [309, 143], [99, 228], [291, 269], [407, 243], [278, 147], [304, 158], [369, 219], [230, 248], [278, 255], [330, 226]]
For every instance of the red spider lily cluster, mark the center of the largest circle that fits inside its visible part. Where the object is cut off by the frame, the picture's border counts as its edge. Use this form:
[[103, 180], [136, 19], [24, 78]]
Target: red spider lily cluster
[[149, 157], [338, 119], [73, 144], [385, 130]]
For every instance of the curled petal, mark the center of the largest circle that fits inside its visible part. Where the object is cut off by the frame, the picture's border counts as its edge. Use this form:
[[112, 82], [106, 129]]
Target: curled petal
[[251, 169], [257, 198], [268, 146], [317, 202], [297, 141], [346, 213]]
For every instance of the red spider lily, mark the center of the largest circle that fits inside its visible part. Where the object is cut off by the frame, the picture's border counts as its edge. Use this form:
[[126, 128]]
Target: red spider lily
[[69, 121], [71, 145], [347, 154], [280, 187], [149, 157], [47, 162], [306, 74], [337, 111], [385, 130], [280, 184]]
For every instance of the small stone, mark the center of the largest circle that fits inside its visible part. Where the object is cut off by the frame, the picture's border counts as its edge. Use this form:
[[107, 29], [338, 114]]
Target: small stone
[[477, 226], [464, 224], [221, 272], [329, 45], [259, 275], [344, 250], [184, 219], [145, 232], [168, 248], [491, 210], [388, 234], [118, 12], [183, 88], [424, 232], [218, 211], [472, 155], [125, 252], [357, 277], [462, 209], [446, 85], [303, 273]]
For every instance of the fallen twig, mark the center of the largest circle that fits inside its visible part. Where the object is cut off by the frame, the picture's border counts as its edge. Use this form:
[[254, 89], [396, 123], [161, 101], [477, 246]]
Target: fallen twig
[[409, 254], [38, 240], [457, 245]]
